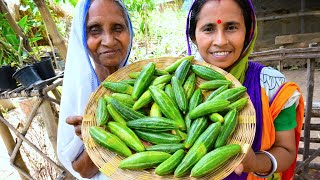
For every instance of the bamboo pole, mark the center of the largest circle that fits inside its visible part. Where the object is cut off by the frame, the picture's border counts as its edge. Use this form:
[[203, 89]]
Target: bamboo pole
[[17, 133], [312, 140], [52, 28], [310, 89], [50, 123], [311, 165], [315, 127], [302, 22], [25, 129], [306, 162], [51, 99], [31, 93], [297, 14], [15, 27], [311, 151], [10, 144], [56, 94], [51, 46], [286, 51]]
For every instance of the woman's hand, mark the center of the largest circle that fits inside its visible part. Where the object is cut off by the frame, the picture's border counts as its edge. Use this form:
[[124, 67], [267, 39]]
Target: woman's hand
[[248, 163], [283, 150], [83, 164], [76, 121]]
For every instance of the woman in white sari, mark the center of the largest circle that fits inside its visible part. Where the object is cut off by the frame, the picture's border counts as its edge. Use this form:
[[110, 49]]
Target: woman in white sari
[[99, 44]]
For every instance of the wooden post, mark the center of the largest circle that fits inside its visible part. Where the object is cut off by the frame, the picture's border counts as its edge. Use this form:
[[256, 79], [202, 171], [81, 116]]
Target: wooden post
[[310, 87], [52, 28], [307, 161], [280, 66], [25, 129], [302, 24], [290, 15], [56, 94], [280, 60], [50, 122], [10, 144]]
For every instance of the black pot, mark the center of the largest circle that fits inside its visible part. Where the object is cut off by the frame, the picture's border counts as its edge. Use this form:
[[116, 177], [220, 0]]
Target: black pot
[[45, 68], [27, 76], [6, 80]]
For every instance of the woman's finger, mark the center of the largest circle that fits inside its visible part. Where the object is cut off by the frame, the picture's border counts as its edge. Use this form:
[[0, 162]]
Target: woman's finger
[[74, 120], [239, 169], [77, 130]]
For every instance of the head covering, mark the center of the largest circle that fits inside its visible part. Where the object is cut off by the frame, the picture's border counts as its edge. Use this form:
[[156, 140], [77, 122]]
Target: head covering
[[80, 80], [238, 69]]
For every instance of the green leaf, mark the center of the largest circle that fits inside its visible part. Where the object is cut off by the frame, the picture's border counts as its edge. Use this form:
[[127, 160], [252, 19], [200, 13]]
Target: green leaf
[[35, 39], [142, 27], [73, 2], [1, 58], [23, 23]]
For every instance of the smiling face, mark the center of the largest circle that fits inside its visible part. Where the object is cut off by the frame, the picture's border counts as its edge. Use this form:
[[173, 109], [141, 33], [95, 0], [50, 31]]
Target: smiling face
[[108, 35], [220, 32]]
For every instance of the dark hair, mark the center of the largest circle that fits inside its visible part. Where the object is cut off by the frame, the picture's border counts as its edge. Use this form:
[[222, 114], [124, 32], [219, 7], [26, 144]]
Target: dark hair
[[197, 6]]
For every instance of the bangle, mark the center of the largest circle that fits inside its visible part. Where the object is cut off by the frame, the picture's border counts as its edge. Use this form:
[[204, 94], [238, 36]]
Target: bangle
[[273, 162]]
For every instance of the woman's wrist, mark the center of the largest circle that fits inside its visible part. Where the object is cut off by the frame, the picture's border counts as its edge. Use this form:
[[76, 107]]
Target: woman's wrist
[[84, 165], [273, 165]]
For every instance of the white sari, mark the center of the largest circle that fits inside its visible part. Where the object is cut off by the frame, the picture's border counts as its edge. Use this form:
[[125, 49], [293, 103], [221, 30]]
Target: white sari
[[80, 80]]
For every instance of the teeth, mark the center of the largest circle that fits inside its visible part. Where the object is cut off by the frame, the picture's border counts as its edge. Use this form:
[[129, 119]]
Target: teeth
[[221, 53]]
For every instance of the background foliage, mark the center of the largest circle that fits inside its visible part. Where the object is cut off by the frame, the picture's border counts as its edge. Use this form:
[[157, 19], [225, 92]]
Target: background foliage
[[159, 28], [29, 19]]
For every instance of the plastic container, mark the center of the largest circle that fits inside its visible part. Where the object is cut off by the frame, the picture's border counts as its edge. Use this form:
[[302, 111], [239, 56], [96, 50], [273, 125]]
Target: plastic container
[[6, 80], [28, 77], [45, 68]]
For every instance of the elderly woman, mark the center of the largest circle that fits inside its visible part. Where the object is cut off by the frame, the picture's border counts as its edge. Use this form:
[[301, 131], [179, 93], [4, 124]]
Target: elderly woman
[[99, 44]]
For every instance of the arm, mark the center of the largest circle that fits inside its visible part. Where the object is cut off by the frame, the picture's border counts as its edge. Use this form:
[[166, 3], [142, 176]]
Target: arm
[[82, 164], [283, 150], [284, 147]]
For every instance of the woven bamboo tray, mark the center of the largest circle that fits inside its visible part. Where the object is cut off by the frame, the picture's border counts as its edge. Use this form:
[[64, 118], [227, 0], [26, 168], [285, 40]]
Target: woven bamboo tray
[[108, 161]]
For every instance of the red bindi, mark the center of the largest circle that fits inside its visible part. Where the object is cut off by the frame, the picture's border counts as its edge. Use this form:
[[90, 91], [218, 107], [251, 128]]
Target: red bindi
[[219, 21]]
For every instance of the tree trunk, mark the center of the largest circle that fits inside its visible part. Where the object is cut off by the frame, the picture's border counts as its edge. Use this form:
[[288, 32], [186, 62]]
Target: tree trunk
[[52, 28], [15, 27], [10, 144]]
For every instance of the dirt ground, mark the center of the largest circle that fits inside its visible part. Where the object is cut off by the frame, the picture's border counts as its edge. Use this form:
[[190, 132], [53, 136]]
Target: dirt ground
[[300, 77]]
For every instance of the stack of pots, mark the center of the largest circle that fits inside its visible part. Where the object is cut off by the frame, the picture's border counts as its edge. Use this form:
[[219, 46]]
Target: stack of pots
[[33, 75]]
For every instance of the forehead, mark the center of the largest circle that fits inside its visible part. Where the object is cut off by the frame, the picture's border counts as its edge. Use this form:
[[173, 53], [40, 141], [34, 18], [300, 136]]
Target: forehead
[[224, 10], [105, 9]]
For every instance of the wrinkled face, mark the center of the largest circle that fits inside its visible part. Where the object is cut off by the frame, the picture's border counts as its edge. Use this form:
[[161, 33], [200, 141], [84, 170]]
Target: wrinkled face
[[108, 35], [220, 32]]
